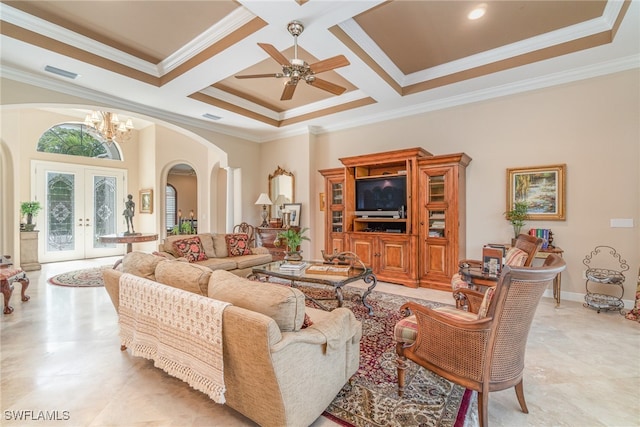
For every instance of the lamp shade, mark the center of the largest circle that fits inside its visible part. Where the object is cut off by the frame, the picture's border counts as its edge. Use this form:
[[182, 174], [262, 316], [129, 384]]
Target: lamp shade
[[264, 199]]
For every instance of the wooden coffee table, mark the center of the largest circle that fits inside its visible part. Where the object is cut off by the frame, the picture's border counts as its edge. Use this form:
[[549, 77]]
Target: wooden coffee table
[[337, 281]]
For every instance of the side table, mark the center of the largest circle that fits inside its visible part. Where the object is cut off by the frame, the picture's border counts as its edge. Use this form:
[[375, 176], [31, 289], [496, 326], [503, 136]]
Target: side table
[[8, 275], [129, 239]]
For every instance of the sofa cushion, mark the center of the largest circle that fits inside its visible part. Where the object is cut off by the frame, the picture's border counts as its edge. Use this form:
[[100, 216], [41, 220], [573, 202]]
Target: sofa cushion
[[183, 275], [283, 304], [141, 264], [205, 239], [190, 248], [220, 245], [248, 261], [237, 244], [219, 263]]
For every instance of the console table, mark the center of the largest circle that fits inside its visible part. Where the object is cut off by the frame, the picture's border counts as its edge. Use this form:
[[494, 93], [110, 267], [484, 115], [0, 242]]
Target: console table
[[266, 236], [476, 276], [129, 239], [8, 275]]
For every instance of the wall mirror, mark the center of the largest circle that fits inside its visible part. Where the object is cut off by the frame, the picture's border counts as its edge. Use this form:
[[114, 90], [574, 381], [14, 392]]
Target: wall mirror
[[281, 190]]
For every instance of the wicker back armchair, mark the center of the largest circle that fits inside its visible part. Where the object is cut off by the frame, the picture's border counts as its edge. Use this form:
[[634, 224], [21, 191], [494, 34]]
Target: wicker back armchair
[[482, 354]]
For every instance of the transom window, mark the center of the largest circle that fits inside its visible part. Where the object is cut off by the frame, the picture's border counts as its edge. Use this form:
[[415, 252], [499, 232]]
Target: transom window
[[77, 139]]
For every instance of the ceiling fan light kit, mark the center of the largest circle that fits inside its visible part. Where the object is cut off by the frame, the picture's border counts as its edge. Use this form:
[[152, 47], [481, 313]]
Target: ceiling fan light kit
[[298, 69]]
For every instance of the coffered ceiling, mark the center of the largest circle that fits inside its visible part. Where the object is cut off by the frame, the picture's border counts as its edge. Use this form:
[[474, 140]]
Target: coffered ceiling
[[178, 59]]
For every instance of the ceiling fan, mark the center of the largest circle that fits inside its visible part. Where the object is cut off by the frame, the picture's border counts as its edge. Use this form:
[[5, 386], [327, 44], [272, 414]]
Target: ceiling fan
[[297, 69]]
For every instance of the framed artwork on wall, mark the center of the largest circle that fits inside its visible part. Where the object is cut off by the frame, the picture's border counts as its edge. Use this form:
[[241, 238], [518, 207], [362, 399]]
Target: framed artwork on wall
[[146, 201], [294, 210], [541, 187]]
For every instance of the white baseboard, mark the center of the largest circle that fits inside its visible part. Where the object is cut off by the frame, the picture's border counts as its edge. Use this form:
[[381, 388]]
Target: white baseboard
[[577, 297]]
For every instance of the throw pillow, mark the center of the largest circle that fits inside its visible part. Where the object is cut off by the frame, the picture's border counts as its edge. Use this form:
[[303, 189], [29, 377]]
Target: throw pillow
[[190, 248], [307, 321], [237, 244], [515, 257], [486, 302]]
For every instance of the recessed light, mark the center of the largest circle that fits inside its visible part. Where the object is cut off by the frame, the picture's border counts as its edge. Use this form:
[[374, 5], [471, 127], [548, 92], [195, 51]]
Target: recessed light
[[478, 12], [60, 72], [211, 116]]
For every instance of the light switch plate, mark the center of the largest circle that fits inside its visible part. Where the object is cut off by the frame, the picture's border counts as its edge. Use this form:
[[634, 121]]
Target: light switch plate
[[622, 223]]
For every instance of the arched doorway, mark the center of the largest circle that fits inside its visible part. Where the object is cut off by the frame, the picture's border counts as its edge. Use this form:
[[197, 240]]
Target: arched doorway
[[181, 200]]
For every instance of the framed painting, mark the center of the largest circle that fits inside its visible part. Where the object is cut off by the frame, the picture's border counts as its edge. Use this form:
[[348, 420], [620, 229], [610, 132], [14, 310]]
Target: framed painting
[[294, 209], [146, 201], [542, 188]]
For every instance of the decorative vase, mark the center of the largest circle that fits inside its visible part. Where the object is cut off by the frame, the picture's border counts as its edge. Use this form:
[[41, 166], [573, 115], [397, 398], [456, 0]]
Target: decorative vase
[[293, 256]]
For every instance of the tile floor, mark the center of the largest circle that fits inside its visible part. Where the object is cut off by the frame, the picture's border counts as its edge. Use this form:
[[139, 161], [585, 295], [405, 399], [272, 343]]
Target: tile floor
[[61, 358]]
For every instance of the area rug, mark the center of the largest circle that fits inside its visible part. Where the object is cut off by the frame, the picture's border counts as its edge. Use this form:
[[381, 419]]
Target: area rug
[[371, 397], [86, 278]]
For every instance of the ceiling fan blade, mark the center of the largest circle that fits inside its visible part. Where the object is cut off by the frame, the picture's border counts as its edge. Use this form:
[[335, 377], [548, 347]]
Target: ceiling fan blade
[[328, 86], [257, 76], [329, 64], [275, 54], [287, 93]]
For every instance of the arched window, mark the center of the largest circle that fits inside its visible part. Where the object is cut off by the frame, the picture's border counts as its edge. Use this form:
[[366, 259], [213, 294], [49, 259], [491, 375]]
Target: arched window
[[171, 203], [77, 139]]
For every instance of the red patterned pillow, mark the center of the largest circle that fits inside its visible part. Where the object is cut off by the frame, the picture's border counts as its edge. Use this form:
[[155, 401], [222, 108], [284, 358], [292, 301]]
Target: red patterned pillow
[[237, 244], [190, 248]]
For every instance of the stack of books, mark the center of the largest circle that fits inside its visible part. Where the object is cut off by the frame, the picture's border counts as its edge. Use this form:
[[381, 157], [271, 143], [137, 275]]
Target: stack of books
[[292, 265], [544, 234]]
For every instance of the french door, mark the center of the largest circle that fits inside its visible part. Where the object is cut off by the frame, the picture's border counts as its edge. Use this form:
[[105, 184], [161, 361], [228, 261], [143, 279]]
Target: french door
[[81, 203]]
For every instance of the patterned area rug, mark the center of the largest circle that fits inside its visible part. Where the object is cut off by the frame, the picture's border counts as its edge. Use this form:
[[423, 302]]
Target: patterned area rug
[[86, 278], [371, 399]]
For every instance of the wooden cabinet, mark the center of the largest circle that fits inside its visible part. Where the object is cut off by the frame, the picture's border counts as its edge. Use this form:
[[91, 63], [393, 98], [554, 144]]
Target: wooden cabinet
[[390, 256], [441, 218], [420, 243], [334, 210], [266, 236]]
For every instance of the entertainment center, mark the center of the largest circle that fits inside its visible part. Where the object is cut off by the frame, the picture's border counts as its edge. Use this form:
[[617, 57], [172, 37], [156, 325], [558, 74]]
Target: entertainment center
[[402, 212]]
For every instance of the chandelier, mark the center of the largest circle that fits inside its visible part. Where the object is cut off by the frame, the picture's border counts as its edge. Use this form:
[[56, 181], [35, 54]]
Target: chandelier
[[109, 126]]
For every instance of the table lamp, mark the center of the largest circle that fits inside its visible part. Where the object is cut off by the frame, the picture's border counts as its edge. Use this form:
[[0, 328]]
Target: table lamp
[[264, 200]]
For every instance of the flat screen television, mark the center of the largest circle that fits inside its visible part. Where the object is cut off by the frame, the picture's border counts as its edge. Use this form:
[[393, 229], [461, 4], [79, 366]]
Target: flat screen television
[[383, 196]]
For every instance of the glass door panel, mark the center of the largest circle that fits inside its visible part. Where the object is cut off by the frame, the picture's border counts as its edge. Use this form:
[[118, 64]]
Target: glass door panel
[[80, 205], [437, 223], [436, 189], [336, 193]]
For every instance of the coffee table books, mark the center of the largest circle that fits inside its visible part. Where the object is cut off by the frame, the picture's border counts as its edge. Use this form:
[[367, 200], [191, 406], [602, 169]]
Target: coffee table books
[[336, 270]]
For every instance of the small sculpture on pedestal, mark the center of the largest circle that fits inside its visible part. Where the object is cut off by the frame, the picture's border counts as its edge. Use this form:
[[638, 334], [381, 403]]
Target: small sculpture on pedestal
[[129, 212]]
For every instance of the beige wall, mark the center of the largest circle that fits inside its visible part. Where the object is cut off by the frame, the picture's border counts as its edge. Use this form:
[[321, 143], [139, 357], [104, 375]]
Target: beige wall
[[592, 126]]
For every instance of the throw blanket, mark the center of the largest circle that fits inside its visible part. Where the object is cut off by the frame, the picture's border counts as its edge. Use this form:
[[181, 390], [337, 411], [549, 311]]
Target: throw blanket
[[180, 331]]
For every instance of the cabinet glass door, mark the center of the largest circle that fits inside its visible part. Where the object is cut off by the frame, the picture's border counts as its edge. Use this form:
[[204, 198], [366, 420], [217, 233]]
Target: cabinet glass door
[[336, 193], [437, 223], [436, 189], [336, 221]]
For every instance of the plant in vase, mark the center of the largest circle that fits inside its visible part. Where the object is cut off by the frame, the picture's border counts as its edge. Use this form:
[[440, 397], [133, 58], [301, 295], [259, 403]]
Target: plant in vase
[[292, 239], [517, 216], [30, 209]]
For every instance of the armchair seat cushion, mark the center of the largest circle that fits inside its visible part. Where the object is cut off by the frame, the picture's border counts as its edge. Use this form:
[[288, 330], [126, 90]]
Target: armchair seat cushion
[[406, 330]]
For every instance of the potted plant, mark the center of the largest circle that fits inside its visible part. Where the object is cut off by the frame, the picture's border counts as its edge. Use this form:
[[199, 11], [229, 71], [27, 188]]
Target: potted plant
[[292, 239], [184, 228], [517, 216], [30, 209]]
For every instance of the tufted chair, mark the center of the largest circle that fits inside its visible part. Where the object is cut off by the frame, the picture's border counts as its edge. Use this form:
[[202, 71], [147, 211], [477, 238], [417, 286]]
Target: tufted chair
[[482, 351]]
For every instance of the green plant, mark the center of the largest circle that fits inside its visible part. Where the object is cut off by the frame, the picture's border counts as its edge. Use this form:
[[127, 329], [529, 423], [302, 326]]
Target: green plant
[[30, 209], [184, 228], [292, 238], [517, 216]]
